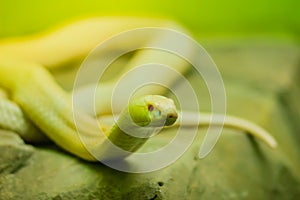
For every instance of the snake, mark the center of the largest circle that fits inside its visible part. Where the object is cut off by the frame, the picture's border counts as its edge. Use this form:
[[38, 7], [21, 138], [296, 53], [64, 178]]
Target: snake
[[36, 107]]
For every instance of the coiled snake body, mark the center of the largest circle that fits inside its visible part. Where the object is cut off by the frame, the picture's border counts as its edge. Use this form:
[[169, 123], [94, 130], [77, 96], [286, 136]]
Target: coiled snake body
[[36, 101]]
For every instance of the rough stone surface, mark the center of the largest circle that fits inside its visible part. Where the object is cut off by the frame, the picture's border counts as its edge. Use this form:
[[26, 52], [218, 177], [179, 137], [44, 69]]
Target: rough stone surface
[[14, 153]]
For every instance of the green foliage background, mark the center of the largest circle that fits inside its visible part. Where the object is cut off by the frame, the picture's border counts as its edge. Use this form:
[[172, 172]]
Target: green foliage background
[[225, 17]]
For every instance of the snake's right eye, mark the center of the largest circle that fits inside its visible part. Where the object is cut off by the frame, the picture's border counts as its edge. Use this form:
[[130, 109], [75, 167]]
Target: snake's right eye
[[150, 107]]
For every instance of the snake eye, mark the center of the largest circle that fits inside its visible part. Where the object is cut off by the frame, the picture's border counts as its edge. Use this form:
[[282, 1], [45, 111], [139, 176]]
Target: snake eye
[[150, 107], [155, 113]]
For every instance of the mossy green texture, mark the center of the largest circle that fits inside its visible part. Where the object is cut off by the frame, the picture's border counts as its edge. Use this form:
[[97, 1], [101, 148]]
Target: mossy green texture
[[14, 153]]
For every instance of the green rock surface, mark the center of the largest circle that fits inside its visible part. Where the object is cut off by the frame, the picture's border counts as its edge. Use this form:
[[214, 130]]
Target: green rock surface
[[14, 153], [261, 86]]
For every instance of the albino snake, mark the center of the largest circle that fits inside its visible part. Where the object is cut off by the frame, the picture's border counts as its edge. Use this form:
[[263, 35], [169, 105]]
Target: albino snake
[[35, 99]]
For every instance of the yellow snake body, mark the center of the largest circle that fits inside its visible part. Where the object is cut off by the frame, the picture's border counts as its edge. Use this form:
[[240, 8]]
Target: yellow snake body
[[41, 102]]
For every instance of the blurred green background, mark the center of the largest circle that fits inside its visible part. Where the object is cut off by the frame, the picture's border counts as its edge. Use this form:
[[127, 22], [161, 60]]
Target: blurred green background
[[223, 17]]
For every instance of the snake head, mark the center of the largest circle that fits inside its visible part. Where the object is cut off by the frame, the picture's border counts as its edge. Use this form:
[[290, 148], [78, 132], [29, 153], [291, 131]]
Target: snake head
[[153, 110]]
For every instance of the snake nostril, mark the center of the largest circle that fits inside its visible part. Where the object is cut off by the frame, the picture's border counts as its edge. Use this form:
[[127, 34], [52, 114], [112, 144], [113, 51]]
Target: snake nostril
[[172, 116]]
